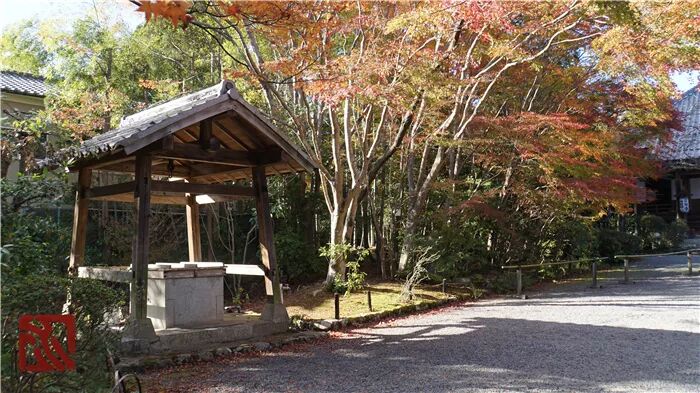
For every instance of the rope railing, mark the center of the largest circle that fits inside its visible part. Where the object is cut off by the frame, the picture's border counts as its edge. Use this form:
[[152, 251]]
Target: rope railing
[[551, 263], [519, 270], [626, 260], [594, 265]]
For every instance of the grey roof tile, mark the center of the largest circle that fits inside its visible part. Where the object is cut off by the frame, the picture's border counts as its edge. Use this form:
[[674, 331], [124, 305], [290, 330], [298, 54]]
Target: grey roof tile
[[686, 142], [136, 130], [22, 83], [139, 123]]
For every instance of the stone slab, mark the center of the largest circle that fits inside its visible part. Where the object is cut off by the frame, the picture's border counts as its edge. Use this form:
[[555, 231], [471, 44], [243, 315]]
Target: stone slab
[[183, 340]]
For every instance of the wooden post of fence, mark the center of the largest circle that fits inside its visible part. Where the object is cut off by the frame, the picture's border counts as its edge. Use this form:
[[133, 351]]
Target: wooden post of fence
[[369, 300], [444, 285], [690, 265], [519, 285], [337, 305], [627, 270], [594, 271]]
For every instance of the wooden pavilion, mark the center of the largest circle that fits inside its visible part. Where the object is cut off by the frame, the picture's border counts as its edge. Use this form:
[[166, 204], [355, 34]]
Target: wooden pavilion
[[177, 152]]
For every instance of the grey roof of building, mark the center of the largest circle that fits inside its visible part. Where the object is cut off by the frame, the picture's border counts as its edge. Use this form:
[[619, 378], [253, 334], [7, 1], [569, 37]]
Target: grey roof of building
[[685, 145], [22, 83]]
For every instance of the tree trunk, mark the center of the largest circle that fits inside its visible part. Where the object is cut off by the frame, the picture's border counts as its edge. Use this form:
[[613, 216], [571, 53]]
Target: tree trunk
[[336, 265], [416, 208]]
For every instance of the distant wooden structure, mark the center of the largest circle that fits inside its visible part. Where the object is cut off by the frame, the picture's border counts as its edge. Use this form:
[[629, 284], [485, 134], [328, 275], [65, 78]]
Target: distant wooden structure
[[681, 160], [22, 95], [180, 151]]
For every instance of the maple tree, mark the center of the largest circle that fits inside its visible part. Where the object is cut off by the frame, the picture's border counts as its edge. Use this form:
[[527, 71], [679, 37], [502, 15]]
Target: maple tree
[[356, 82]]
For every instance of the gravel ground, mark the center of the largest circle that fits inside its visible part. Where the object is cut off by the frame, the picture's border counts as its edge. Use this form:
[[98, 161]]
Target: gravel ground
[[621, 338]]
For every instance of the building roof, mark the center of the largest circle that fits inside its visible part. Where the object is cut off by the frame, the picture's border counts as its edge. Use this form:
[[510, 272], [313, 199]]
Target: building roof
[[237, 126], [22, 83], [685, 146], [144, 123]]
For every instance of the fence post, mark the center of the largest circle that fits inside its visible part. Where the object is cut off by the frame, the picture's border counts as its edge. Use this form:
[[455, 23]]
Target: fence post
[[369, 300], [337, 306], [519, 285], [594, 271], [690, 265], [627, 270], [444, 285]]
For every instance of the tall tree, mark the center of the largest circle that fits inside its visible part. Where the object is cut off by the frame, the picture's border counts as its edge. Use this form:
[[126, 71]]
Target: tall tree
[[352, 80]]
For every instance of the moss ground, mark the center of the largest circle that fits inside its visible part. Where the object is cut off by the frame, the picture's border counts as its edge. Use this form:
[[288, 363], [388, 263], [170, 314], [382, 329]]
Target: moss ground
[[314, 303]]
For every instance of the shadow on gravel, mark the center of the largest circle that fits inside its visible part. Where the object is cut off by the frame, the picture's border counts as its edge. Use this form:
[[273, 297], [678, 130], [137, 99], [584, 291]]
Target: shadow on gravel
[[482, 353], [464, 353]]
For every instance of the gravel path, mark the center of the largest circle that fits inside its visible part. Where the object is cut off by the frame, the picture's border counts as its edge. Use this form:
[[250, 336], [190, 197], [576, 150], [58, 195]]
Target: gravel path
[[621, 338]]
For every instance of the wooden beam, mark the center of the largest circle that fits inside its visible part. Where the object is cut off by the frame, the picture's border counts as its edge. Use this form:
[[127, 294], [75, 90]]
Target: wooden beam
[[250, 115], [112, 189], [212, 173], [194, 234], [192, 152], [232, 136], [196, 188], [170, 193], [205, 134], [156, 198], [80, 216], [139, 257], [101, 161], [161, 169], [244, 270], [114, 274], [202, 168]]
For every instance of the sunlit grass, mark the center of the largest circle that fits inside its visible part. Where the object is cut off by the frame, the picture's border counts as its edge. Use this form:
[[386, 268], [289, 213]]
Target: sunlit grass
[[314, 303]]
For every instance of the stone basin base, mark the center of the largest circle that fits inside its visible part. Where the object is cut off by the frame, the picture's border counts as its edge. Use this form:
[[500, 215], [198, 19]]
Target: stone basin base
[[233, 328]]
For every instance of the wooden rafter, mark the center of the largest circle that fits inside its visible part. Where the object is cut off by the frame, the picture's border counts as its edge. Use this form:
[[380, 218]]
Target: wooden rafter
[[192, 152]]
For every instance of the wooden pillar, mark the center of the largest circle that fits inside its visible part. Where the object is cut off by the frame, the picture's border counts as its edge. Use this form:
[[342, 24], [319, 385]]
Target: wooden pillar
[[594, 273], [80, 217], [194, 234], [139, 257], [265, 236], [274, 309]]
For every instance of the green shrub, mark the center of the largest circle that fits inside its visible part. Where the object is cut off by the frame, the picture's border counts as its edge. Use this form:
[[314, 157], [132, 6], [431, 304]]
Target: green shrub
[[299, 262], [354, 283], [569, 239], [34, 245], [652, 230], [612, 242], [657, 235], [91, 302], [677, 232], [353, 255]]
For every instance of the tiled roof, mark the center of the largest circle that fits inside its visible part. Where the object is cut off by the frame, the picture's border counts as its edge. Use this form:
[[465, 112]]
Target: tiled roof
[[154, 123], [686, 142], [138, 124], [22, 83]]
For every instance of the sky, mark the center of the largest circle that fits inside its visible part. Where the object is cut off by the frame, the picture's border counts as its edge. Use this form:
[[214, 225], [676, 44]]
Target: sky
[[13, 11]]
